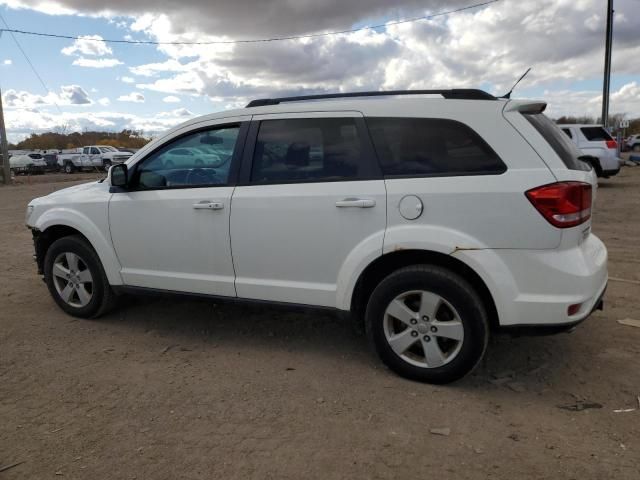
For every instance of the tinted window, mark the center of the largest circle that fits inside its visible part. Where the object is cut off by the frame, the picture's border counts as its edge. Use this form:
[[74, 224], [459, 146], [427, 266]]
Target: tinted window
[[567, 132], [426, 146], [35, 156], [95, 151], [199, 159], [308, 150], [595, 134], [563, 147]]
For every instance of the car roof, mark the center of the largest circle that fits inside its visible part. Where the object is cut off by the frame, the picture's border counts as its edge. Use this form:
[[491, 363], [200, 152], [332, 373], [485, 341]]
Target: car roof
[[372, 106]]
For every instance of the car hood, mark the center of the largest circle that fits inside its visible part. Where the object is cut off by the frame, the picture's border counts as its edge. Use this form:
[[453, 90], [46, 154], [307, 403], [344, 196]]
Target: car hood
[[70, 193]]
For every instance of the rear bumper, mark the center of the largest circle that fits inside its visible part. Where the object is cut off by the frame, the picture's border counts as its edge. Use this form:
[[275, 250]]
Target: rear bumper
[[552, 329], [535, 288]]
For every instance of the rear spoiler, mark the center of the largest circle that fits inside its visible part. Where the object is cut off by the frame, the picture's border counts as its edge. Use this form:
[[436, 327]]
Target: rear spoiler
[[525, 106]]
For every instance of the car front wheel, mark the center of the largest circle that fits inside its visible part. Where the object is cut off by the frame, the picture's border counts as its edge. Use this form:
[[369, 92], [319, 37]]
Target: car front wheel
[[76, 279], [427, 323]]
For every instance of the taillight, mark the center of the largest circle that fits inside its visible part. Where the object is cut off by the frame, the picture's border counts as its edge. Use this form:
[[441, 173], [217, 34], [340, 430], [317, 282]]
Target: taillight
[[612, 144], [562, 204]]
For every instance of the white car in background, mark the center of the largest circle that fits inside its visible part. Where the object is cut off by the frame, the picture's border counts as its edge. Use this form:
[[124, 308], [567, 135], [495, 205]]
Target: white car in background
[[595, 142], [28, 163], [633, 143]]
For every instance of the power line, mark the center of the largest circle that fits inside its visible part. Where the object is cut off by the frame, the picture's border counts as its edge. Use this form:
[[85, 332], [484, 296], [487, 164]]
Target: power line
[[259, 40], [26, 57]]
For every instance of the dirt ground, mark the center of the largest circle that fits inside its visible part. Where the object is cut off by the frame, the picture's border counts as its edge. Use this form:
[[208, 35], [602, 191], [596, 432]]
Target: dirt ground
[[173, 388]]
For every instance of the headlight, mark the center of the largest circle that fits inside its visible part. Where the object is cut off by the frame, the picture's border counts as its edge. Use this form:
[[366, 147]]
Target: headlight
[[28, 214]]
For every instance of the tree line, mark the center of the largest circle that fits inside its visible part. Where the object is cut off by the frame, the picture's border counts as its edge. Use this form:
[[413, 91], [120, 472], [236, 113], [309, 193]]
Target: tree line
[[63, 140]]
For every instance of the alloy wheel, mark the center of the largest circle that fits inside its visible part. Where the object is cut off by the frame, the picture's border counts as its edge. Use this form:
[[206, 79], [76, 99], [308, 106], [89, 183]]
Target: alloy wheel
[[423, 329], [72, 279]]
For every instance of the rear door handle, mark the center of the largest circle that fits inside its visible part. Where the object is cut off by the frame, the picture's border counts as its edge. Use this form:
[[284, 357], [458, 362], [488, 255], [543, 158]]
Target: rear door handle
[[356, 203], [207, 205]]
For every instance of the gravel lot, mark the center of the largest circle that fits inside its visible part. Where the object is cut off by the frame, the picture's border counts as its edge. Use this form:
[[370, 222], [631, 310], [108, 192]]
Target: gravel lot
[[175, 388]]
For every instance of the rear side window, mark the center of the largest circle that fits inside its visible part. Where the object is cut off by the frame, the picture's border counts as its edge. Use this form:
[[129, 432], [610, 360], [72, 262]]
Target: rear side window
[[563, 147], [595, 134], [431, 147], [309, 150]]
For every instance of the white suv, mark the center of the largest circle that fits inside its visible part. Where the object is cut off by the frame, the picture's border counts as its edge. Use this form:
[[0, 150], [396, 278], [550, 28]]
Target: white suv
[[435, 220], [598, 148]]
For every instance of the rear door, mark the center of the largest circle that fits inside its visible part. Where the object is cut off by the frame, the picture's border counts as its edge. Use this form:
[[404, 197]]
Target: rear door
[[310, 195]]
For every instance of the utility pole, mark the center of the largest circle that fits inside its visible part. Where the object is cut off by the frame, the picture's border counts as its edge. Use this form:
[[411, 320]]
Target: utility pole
[[6, 172], [607, 65]]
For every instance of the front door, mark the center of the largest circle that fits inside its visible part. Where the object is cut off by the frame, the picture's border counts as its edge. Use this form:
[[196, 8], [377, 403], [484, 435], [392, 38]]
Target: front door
[[170, 229], [310, 197]]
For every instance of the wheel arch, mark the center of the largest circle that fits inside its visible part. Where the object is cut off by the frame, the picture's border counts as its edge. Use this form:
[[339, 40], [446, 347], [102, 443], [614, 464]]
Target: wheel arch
[[383, 265], [49, 230]]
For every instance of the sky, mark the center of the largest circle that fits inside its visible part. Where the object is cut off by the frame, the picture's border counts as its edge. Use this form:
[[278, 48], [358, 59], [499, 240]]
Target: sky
[[150, 88]]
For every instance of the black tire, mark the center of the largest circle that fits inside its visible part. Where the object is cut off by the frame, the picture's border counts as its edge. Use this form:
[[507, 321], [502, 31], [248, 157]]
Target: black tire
[[636, 147], [102, 297], [455, 291], [69, 167], [106, 164]]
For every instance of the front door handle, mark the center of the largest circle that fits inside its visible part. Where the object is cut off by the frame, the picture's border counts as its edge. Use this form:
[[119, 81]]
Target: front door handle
[[356, 203], [207, 205]]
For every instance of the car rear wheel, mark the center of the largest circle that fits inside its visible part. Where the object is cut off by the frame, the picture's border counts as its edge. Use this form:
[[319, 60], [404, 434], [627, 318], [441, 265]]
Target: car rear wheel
[[106, 165], [68, 167], [76, 279], [636, 147], [427, 323]]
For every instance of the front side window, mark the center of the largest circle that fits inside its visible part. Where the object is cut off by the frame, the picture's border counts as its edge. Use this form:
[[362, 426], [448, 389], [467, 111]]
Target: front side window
[[202, 158], [95, 151], [431, 147], [308, 150]]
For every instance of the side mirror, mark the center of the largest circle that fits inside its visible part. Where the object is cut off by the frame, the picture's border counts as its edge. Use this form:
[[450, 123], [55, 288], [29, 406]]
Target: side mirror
[[119, 175]]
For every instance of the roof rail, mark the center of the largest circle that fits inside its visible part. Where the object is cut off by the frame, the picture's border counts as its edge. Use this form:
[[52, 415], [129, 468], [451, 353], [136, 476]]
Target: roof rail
[[455, 93]]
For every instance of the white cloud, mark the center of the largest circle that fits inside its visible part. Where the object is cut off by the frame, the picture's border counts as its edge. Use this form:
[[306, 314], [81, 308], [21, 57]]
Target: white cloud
[[104, 101], [135, 97], [7, 61], [171, 99], [178, 112], [152, 69], [96, 62], [24, 122], [127, 79], [88, 45], [68, 95]]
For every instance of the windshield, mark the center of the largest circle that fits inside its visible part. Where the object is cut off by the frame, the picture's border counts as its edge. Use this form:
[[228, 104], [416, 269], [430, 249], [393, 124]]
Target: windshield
[[35, 156], [561, 144]]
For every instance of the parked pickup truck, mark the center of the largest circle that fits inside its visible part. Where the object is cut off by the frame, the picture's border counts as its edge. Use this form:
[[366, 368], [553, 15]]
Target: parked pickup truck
[[92, 157]]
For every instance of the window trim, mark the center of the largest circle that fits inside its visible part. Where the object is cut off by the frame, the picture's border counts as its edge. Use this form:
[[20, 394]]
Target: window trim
[[368, 153], [478, 173], [233, 168]]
